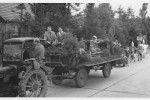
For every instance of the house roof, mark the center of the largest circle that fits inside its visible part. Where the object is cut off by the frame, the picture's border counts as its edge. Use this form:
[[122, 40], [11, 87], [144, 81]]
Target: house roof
[[1, 19], [20, 39], [8, 11]]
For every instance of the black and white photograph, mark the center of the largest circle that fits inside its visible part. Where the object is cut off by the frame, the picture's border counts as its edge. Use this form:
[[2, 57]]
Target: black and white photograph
[[81, 49]]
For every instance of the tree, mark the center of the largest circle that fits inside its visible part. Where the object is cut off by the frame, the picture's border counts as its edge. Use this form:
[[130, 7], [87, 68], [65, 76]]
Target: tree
[[142, 14], [98, 20], [21, 7], [125, 26], [89, 24], [104, 19], [53, 14], [130, 13]]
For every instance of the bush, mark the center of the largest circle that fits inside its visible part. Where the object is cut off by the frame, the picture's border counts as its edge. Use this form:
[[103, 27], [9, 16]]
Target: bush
[[106, 53], [71, 44], [84, 57]]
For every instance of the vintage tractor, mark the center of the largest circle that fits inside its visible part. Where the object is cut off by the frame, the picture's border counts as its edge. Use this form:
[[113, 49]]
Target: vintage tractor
[[19, 74]]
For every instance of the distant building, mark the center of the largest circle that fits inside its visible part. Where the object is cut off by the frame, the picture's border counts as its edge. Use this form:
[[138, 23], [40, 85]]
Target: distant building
[[10, 13]]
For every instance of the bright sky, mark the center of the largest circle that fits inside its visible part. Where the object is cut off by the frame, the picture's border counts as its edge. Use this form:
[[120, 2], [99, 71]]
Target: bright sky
[[134, 4]]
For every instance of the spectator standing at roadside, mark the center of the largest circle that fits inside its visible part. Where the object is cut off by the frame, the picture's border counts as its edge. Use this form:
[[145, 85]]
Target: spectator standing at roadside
[[140, 38], [133, 49], [49, 35]]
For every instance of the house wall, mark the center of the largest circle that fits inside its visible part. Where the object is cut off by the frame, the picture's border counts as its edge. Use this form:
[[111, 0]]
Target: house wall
[[2, 28]]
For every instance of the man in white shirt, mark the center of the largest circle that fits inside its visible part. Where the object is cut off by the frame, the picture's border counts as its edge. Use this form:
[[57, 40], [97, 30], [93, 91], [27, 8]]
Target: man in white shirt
[[49, 35]]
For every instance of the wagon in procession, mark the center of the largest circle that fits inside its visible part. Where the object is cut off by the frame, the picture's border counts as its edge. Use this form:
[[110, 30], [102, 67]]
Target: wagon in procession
[[69, 63], [24, 76]]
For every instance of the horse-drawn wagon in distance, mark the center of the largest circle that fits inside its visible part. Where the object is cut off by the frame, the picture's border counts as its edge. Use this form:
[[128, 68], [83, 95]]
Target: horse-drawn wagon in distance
[[21, 75]]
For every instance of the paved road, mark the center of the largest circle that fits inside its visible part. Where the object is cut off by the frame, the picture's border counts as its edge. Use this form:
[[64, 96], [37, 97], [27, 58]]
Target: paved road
[[130, 81]]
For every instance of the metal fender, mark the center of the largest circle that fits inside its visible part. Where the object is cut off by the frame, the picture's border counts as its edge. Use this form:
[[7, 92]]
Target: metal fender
[[36, 64], [10, 70]]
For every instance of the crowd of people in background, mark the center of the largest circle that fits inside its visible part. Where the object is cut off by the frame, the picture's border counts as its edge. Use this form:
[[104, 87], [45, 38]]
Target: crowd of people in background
[[132, 53]]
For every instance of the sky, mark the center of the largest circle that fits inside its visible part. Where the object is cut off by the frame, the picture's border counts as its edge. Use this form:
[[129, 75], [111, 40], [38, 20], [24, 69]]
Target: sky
[[134, 4]]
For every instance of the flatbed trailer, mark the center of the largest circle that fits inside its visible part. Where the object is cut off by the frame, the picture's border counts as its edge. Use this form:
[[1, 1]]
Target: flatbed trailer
[[81, 71], [88, 64], [62, 69]]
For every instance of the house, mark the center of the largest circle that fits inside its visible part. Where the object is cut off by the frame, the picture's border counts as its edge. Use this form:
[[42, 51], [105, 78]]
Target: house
[[10, 13], [2, 30]]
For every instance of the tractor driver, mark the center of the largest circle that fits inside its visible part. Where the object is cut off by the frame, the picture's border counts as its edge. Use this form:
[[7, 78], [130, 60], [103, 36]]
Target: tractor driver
[[38, 52]]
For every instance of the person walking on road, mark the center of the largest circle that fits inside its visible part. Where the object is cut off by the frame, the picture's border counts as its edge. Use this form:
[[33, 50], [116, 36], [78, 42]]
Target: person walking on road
[[132, 52]]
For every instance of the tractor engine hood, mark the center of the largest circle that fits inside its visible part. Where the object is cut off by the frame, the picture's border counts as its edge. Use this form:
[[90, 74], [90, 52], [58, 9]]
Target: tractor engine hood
[[10, 70]]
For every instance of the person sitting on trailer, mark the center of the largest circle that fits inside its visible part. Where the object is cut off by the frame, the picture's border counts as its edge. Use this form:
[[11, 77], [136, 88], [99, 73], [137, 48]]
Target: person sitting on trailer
[[81, 45], [60, 34], [94, 44], [50, 36]]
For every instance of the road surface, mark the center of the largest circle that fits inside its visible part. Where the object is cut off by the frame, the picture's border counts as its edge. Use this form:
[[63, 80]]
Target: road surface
[[132, 81]]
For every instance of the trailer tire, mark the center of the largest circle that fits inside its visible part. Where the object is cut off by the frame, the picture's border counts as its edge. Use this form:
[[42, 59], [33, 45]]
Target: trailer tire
[[106, 70], [81, 77]]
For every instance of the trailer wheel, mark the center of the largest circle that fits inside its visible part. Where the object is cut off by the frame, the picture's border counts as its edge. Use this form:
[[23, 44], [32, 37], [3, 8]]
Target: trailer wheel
[[33, 85], [106, 70], [81, 77]]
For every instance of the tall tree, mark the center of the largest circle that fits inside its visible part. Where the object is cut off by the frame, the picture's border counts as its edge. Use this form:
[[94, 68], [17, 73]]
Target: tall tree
[[98, 20], [89, 24], [104, 14], [53, 14], [142, 14]]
